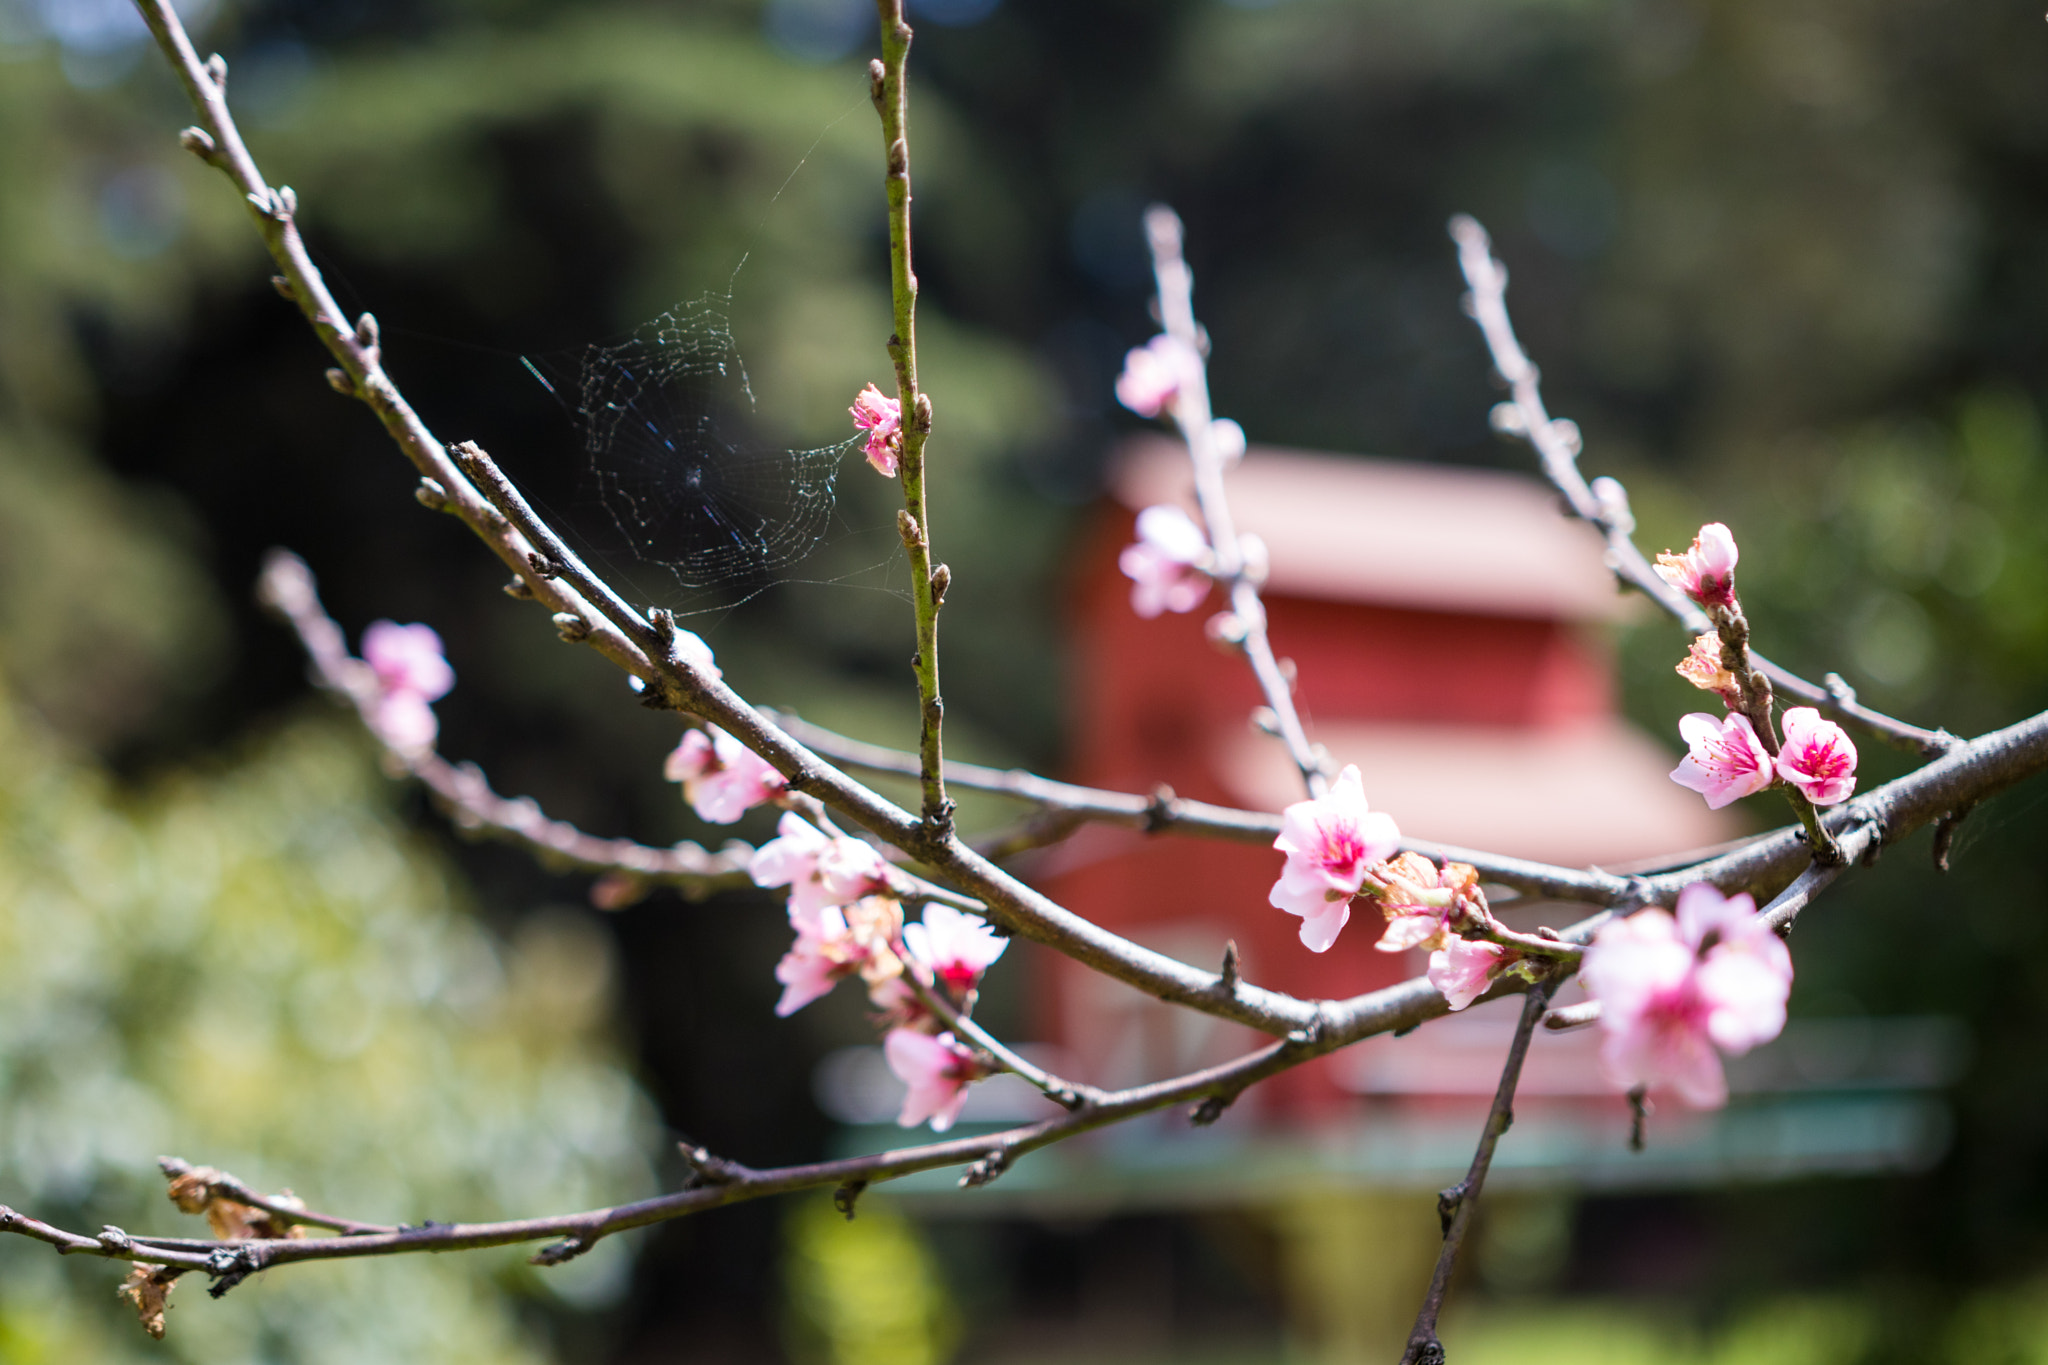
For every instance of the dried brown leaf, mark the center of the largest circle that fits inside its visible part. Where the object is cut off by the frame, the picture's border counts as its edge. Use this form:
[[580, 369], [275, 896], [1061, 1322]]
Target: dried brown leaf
[[149, 1289]]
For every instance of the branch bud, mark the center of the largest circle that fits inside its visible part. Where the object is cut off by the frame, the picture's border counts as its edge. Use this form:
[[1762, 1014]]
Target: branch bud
[[367, 332], [543, 567], [338, 380], [431, 495], [283, 287], [924, 404], [571, 627], [199, 142], [287, 201], [877, 73], [517, 588], [217, 72], [942, 578]]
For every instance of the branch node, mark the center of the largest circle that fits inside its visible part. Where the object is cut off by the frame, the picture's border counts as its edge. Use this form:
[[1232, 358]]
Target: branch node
[[1160, 810], [1945, 834], [368, 334], [1447, 1201], [338, 380], [1210, 1109], [284, 288], [229, 1266], [287, 202], [707, 1170], [555, 1253], [217, 72], [907, 527], [115, 1240], [199, 142], [542, 566], [1227, 979], [985, 1171], [571, 627], [942, 579], [431, 495], [877, 74], [847, 1196], [517, 588]]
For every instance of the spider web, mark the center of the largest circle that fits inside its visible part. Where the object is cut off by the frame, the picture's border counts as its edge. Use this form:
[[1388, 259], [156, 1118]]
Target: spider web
[[666, 419]]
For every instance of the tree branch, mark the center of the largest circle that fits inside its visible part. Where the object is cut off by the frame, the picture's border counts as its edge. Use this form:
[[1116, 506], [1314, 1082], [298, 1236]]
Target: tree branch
[[1457, 1203], [1198, 429], [287, 587], [1557, 442]]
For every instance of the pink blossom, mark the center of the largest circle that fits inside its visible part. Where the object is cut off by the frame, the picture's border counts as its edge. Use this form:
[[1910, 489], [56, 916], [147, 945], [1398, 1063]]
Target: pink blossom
[[722, 778], [411, 671], [898, 1005], [819, 869], [1672, 990], [1329, 842], [954, 946], [1162, 564], [1818, 757], [938, 1072], [1463, 968], [1154, 375], [1727, 761], [407, 659], [1706, 572], [881, 417], [833, 943], [404, 721]]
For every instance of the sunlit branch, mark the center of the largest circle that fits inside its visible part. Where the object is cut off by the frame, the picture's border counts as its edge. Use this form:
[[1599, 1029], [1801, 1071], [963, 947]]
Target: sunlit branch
[[1556, 444], [1176, 283]]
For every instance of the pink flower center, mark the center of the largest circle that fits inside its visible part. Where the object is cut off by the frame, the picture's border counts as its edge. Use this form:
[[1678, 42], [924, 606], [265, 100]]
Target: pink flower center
[[1728, 754], [1341, 851]]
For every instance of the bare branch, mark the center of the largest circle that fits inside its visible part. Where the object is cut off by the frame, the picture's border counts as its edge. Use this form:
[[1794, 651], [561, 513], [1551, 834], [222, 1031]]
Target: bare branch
[[1198, 429], [1457, 1203]]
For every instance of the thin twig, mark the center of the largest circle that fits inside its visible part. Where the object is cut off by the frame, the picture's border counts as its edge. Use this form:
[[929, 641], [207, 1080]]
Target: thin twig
[[1557, 447], [1457, 1203], [287, 587], [1066, 1094], [221, 1184], [1197, 425]]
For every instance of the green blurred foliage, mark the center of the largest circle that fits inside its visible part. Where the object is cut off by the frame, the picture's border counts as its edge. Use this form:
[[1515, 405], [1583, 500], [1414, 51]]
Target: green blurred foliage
[[865, 1290], [257, 967]]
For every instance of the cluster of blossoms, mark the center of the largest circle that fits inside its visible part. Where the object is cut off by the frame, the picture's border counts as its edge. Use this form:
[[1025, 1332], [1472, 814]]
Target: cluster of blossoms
[[1673, 989], [411, 673], [1340, 850], [849, 924], [881, 417], [1727, 759]]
